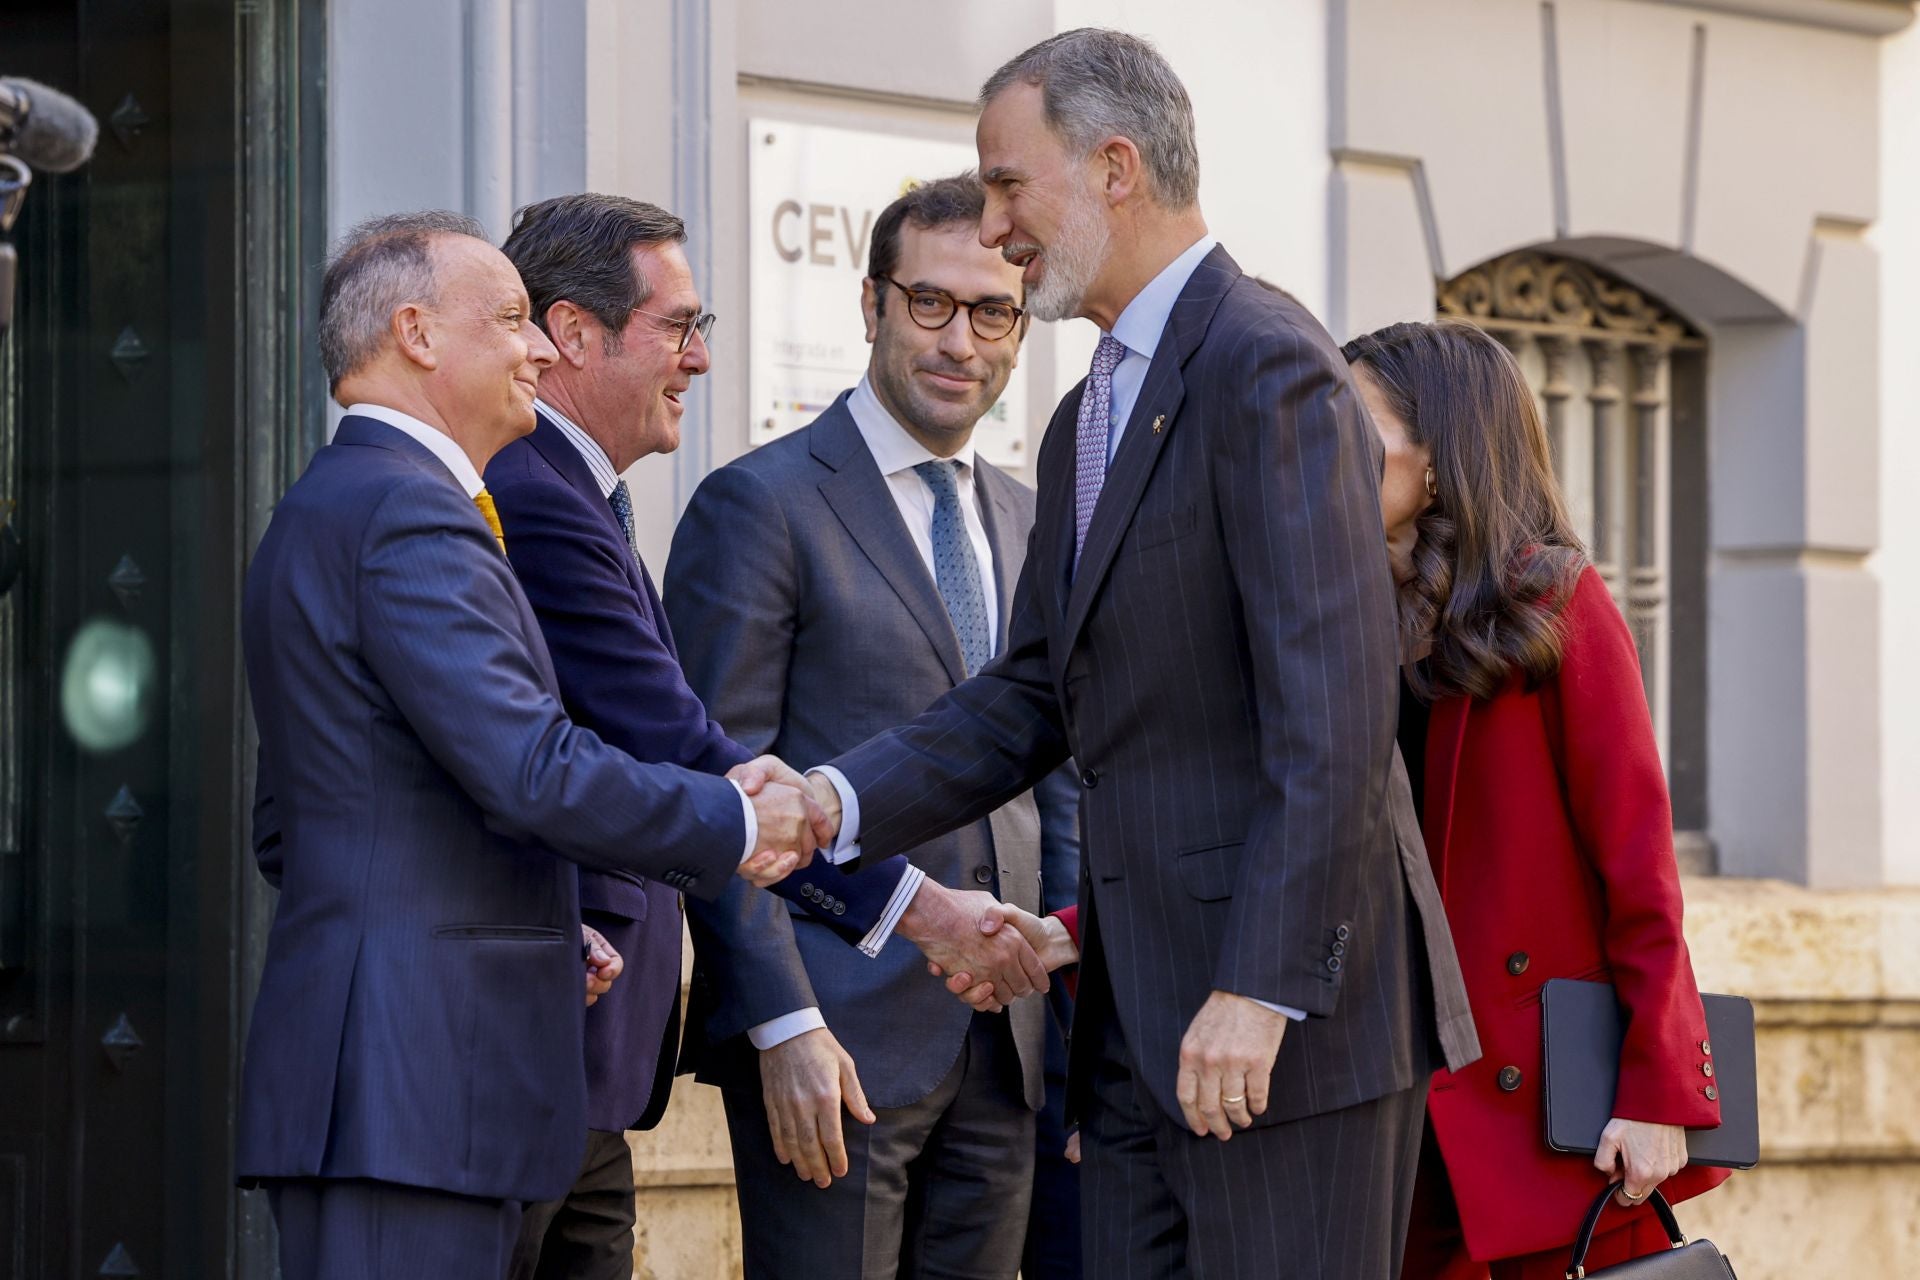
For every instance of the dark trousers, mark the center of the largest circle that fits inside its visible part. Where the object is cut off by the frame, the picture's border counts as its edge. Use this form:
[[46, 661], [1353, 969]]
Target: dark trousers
[[588, 1235], [358, 1229], [1321, 1198], [934, 1191], [1052, 1251]]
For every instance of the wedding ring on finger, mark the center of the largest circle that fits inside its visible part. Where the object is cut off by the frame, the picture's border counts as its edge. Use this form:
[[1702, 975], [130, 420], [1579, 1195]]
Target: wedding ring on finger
[[1236, 1100]]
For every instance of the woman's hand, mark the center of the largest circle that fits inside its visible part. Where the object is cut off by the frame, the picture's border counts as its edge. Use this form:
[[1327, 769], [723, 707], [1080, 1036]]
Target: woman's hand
[[1643, 1155]]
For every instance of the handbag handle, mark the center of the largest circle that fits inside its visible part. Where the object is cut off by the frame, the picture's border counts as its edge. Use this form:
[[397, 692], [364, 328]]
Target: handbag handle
[[1577, 1269]]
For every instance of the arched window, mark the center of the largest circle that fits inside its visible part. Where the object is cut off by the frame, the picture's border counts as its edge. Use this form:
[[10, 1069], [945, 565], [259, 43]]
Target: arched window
[[1621, 383]]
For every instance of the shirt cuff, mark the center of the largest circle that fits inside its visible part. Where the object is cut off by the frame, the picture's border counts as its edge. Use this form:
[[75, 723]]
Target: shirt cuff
[[896, 906], [753, 820], [1285, 1009], [785, 1027], [846, 845]]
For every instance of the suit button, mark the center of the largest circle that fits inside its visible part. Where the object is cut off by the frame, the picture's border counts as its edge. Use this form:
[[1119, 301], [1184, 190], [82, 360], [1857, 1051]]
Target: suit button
[[1706, 1047], [1339, 948], [1343, 933], [983, 874], [826, 900], [1509, 1078], [839, 908], [1706, 1069], [807, 889], [1713, 1094], [1517, 963], [1089, 777], [1333, 964]]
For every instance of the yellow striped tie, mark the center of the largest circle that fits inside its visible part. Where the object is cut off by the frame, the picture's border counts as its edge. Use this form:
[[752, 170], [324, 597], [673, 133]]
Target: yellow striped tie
[[484, 501]]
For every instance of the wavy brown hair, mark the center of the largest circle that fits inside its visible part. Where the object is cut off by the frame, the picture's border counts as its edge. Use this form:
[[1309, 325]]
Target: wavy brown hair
[[1496, 557]]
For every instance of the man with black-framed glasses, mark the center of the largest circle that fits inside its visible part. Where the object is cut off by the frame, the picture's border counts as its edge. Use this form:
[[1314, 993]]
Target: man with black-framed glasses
[[830, 584]]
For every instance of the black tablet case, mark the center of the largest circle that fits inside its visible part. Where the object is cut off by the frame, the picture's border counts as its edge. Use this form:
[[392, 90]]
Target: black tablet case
[[1580, 1031]]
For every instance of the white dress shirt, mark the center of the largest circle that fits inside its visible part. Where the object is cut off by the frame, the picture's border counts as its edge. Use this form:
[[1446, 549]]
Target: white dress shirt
[[1138, 328], [437, 442], [896, 454]]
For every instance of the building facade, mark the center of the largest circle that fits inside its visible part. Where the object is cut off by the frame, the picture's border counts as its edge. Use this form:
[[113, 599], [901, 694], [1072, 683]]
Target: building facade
[[1696, 222]]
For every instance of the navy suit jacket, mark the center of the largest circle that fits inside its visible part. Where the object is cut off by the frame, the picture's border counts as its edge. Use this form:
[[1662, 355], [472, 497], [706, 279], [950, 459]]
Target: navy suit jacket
[[620, 676], [419, 789]]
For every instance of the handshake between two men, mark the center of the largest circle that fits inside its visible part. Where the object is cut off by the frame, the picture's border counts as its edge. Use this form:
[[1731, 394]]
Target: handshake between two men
[[959, 931], [963, 934]]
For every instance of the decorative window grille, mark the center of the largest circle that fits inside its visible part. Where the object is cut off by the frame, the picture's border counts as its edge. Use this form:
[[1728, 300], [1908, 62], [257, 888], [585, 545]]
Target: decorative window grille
[[1620, 381]]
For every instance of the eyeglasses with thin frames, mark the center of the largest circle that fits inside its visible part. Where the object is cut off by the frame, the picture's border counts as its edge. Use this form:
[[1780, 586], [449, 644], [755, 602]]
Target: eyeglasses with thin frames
[[702, 322], [990, 319]]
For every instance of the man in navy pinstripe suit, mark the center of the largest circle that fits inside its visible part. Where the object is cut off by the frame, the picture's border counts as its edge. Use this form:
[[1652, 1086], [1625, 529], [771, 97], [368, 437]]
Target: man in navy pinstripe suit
[[1206, 623], [413, 1070]]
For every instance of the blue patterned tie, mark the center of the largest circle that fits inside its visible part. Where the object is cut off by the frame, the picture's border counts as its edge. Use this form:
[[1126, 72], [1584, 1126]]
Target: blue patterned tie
[[955, 567], [1090, 437], [622, 503]]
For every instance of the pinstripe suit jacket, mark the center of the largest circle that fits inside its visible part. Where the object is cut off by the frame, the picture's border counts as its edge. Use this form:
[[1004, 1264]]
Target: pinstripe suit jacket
[[1223, 668], [419, 1015]]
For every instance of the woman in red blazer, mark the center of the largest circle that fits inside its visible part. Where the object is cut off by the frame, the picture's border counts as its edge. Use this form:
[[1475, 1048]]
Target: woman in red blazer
[[1545, 810]]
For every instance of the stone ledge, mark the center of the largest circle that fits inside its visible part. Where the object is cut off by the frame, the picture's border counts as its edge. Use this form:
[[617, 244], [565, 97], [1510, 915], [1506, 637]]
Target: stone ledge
[[1779, 943]]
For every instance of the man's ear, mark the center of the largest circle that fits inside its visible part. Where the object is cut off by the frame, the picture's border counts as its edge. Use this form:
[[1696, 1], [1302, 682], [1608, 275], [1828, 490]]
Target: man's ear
[[412, 328], [567, 326], [870, 306], [1124, 174]]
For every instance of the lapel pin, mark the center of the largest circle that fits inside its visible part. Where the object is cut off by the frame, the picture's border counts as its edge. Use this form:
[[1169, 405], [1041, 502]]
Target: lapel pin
[[1158, 418]]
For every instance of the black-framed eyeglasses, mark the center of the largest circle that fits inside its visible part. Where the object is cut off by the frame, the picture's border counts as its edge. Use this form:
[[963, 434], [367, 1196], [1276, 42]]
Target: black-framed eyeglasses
[[685, 324], [933, 309]]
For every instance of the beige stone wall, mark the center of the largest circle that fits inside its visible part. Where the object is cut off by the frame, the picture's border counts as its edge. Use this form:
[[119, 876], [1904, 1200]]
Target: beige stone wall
[[1835, 979]]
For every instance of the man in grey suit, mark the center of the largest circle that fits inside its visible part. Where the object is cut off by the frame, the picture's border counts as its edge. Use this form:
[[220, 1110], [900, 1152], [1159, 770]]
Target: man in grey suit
[[826, 586], [1206, 622]]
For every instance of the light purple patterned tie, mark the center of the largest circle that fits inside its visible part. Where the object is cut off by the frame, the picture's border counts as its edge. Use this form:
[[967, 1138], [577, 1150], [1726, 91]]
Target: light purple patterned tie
[[1090, 438]]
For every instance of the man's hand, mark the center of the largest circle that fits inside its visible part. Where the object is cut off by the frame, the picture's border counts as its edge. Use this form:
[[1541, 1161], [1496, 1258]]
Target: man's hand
[[1641, 1154], [1046, 935], [804, 1081], [1226, 1064], [959, 932], [790, 825], [603, 963], [756, 773]]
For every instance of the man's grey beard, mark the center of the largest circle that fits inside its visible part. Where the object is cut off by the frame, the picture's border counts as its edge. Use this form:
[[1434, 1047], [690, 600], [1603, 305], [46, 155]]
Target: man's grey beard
[[1078, 251]]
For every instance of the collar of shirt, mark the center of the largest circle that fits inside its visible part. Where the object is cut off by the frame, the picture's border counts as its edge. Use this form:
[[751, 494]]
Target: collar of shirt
[[1139, 326], [892, 448], [437, 442], [597, 460]]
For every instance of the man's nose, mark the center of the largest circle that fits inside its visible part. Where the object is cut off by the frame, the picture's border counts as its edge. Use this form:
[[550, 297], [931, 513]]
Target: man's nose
[[956, 340], [995, 225], [698, 357], [540, 348]]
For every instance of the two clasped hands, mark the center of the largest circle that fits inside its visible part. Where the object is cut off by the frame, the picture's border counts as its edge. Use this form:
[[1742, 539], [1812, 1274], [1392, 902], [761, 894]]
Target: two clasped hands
[[1226, 1056]]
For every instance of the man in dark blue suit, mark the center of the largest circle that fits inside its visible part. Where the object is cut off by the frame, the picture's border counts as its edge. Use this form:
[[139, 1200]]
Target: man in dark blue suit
[[610, 284], [413, 1065]]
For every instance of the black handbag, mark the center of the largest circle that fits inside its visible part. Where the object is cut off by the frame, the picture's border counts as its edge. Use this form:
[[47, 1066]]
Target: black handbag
[[1687, 1260]]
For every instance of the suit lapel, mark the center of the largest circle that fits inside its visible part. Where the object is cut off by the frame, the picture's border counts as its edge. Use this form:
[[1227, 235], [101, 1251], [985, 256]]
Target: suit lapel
[[859, 497], [1154, 418], [998, 515], [552, 444], [1446, 732]]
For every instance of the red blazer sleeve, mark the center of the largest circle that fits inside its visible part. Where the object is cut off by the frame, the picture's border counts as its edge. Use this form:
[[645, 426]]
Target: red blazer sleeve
[[1070, 917], [1617, 797]]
